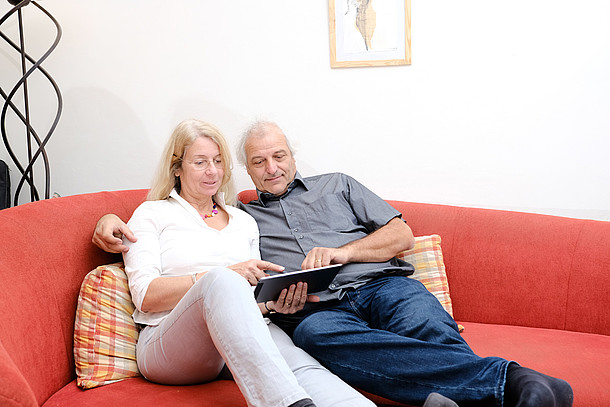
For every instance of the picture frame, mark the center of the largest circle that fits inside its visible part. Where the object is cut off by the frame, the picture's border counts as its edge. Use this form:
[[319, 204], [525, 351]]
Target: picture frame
[[369, 32]]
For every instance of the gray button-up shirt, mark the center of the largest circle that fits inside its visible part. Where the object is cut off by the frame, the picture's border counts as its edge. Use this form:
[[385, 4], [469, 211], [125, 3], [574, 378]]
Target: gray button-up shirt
[[328, 210]]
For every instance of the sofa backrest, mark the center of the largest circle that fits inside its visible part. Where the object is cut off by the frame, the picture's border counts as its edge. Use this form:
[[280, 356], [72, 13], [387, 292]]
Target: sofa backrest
[[45, 252], [522, 269]]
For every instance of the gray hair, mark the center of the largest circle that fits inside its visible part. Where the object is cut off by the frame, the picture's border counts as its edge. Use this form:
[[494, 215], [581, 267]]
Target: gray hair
[[257, 129]]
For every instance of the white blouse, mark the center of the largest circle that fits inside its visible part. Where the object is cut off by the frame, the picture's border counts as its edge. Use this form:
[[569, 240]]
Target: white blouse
[[173, 240]]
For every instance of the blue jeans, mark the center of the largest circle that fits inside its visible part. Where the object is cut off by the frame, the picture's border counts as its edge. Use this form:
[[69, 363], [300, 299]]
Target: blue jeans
[[392, 338]]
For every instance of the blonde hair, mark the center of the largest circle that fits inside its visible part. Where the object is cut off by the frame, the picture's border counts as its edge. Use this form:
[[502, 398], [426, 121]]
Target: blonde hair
[[183, 136]]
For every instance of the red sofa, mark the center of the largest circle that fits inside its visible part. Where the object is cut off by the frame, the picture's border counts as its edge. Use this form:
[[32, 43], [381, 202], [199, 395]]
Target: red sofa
[[527, 287]]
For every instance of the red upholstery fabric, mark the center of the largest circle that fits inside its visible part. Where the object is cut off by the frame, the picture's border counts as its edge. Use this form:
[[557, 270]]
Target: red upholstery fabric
[[40, 281], [247, 195], [140, 392], [14, 390], [581, 359], [519, 268], [587, 301]]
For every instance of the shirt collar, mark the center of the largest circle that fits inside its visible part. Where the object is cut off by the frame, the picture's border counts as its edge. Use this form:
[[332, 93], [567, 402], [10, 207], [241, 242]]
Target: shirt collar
[[219, 198], [265, 197]]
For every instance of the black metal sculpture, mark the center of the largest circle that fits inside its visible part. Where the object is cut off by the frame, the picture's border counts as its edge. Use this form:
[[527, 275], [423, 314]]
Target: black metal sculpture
[[24, 115]]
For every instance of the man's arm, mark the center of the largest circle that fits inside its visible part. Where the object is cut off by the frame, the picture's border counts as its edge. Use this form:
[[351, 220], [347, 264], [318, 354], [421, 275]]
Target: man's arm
[[108, 232], [381, 245]]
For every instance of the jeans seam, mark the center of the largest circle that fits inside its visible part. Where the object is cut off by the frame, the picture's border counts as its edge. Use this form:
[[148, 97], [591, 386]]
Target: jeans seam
[[352, 304], [402, 382]]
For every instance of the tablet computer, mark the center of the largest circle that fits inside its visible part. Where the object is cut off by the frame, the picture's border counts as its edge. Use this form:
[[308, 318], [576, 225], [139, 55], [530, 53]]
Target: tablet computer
[[317, 279]]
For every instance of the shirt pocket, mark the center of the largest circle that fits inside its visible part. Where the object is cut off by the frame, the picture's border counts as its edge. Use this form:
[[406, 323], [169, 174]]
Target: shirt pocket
[[329, 212]]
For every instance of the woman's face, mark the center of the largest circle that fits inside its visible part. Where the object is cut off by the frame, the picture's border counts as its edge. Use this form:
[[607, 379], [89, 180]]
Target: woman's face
[[202, 170]]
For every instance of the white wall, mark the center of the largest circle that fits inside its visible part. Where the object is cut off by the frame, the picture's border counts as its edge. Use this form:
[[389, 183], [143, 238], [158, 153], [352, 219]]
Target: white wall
[[506, 104]]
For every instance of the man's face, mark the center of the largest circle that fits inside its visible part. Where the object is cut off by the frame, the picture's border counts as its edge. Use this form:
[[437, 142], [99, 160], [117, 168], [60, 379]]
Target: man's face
[[270, 162]]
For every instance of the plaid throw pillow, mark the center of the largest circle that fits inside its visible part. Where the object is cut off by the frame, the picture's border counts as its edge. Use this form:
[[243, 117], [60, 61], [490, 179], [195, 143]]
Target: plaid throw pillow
[[427, 259], [105, 334]]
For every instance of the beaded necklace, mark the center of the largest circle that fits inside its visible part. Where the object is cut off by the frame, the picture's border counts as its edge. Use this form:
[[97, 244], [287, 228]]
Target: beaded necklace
[[214, 211]]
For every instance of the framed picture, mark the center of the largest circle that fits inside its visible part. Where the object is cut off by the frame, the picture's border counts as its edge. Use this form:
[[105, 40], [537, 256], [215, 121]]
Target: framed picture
[[369, 32]]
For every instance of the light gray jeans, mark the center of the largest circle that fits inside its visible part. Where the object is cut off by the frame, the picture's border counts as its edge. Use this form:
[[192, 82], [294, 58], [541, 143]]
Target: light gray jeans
[[218, 322]]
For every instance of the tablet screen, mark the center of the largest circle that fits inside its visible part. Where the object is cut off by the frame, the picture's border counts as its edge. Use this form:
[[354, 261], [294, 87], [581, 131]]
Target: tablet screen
[[317, 279]]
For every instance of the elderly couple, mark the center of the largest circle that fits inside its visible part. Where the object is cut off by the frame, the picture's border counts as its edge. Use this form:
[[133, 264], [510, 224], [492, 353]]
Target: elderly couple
[[192, 259]]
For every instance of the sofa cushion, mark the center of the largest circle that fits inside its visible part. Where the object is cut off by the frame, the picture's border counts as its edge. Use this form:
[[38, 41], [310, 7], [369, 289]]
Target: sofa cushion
[[427, 259], [105, 334], [139, 392], [579, 358]]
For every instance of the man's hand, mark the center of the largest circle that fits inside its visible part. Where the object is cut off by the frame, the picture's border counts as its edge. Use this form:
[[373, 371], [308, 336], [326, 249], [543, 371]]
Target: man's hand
[[293, 299], [108, 233], [324, 256], [381, 245], [253, 270]]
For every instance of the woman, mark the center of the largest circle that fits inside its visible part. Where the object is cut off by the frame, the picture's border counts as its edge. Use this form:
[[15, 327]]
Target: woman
[[191, 273]]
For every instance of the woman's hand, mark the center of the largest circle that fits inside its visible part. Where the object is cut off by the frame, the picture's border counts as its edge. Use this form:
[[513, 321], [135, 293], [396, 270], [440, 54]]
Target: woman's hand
[[253, 270]]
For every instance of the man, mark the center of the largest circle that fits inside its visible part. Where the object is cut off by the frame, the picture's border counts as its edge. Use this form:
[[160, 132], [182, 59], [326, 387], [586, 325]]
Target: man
[[374, 328]]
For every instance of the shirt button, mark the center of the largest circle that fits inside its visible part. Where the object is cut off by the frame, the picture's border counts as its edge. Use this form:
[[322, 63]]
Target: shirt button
[[301, 236], [296, 229], [333, 286]]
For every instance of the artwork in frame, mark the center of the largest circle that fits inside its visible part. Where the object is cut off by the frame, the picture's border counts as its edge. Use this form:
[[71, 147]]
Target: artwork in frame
[[369, 32]]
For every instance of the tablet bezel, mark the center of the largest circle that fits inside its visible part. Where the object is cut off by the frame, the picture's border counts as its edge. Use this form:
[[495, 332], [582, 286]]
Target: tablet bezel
[[317, 279]]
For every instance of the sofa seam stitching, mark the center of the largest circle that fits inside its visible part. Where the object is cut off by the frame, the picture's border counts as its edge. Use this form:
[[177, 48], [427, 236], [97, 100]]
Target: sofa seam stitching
[[570, 273]]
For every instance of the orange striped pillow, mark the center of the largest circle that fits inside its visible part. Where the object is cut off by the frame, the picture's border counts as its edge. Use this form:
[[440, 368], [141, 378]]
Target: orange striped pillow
[[105, 334], [427, 259]]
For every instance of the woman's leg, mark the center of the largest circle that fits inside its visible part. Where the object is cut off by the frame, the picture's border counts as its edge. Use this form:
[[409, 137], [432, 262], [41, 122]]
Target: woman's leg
[[324, 388], [218, 320]]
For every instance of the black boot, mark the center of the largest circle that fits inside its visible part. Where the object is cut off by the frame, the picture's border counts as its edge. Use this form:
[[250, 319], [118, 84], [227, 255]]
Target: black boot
[[529, 388]]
